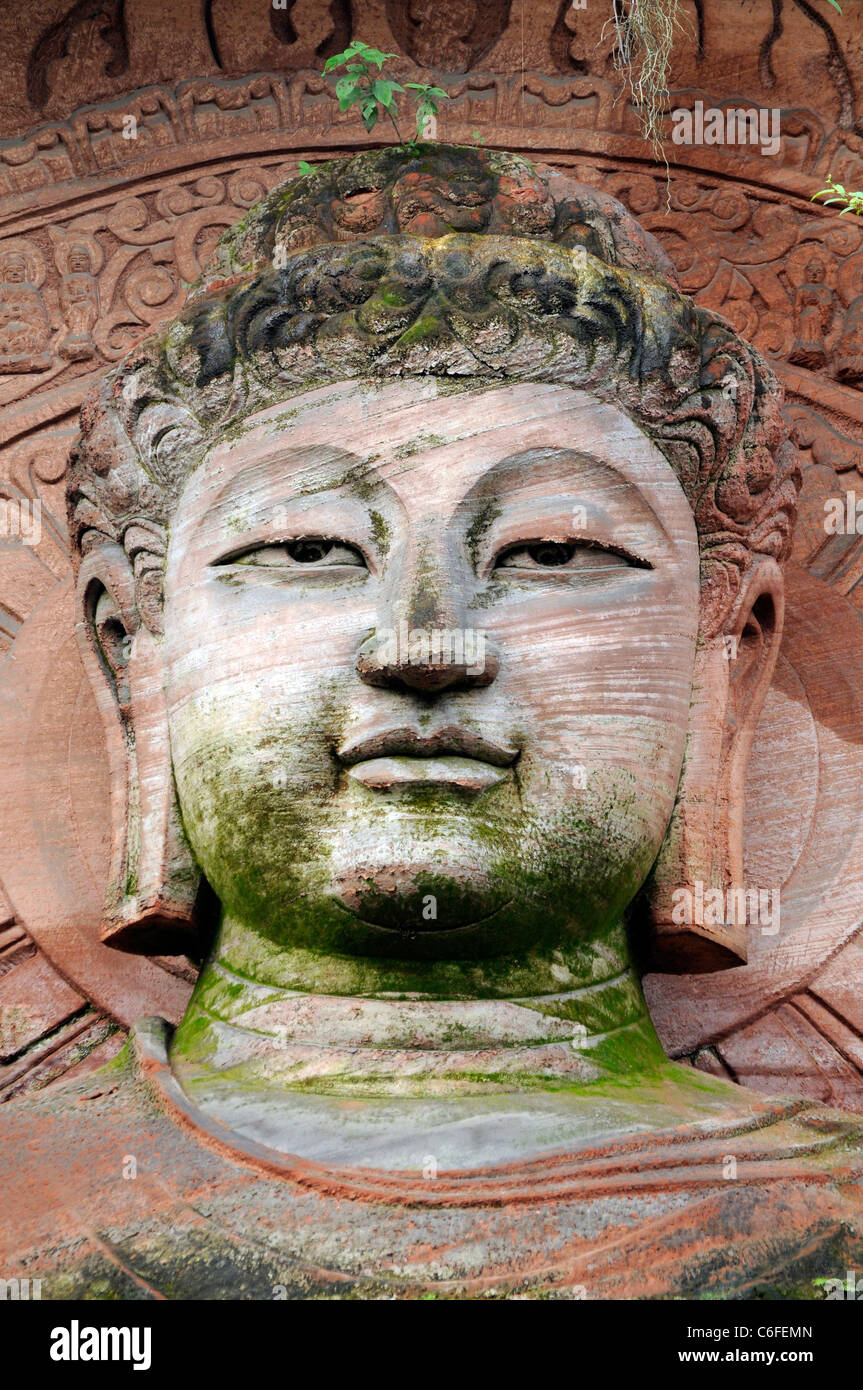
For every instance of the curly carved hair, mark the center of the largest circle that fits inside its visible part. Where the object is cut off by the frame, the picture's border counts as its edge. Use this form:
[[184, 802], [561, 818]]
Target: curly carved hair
[[554, 283]]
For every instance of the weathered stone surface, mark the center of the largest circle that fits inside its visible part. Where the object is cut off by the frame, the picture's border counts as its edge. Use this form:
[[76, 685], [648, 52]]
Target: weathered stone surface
[[103, 235]]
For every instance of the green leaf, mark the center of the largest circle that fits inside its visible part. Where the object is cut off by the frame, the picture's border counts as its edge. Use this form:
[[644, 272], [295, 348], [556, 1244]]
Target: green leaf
[[337, 60], [383, 91], [359, 58], [304, 167], [374, 55], [369, 109], [346, 86]]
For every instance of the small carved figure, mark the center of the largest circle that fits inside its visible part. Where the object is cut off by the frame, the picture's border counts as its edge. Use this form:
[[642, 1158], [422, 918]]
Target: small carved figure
[[25, 328], [78, 257], [813, 318], [442, 33]]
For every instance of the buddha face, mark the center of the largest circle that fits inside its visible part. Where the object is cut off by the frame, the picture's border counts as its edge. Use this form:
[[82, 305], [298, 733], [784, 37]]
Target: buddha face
[[428, 664], [14, 269], [79, 261]]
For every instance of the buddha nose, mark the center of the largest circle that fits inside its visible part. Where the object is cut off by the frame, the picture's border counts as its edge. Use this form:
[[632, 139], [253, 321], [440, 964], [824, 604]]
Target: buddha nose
[[427, 644]]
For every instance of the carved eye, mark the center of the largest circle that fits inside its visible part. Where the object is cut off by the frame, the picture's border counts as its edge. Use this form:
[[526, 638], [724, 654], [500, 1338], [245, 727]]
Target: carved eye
[[570, 556], [309, 552]]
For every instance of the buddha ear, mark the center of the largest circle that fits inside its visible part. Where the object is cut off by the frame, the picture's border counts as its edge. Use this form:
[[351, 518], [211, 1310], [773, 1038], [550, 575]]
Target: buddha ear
[[698, 876], [153, 880], [752, 648]]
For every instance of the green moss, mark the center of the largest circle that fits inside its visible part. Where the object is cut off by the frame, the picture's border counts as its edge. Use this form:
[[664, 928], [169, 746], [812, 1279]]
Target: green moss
[[381, 532], [479, 528], [194, 1039], [421, 440], [424, 329]]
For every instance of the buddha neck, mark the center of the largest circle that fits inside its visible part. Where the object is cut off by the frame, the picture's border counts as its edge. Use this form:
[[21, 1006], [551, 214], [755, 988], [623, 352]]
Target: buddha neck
[[266, 1015]]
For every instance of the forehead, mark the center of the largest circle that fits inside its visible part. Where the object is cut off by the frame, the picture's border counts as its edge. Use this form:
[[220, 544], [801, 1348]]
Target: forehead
[[423, 439]]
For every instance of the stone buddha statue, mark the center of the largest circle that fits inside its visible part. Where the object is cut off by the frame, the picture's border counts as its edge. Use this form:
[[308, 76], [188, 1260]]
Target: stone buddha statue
[[430, 582]]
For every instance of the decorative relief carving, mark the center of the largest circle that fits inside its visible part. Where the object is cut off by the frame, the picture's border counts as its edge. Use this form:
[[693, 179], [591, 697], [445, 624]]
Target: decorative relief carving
[[849, 349], [784, 276], [776, 272], [71, 37], [97, 45], [118, 270], [563, 108], [447, 35], [299, 34], [814, 314]]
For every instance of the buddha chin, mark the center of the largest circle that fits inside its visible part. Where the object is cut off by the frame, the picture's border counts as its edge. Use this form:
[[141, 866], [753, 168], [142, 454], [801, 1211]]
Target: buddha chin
[[418, 863], [487, 878]]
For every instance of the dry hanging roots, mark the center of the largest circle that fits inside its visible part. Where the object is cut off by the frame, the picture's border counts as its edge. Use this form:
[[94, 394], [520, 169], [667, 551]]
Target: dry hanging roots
[[646, 31]]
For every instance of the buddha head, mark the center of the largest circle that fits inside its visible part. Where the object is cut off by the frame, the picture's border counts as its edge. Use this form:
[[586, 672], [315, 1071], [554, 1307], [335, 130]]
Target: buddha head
[[429, 581], [13, 268], [815, 271]]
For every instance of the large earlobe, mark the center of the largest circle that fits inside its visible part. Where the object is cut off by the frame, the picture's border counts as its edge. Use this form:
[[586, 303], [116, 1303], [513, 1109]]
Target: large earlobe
[[697, 892], [153, 881]]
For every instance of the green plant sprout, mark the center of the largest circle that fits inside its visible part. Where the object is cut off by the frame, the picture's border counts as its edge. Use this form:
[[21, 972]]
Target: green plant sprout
[[646, 33], [853, 201], [427, 98], [365, 83]]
